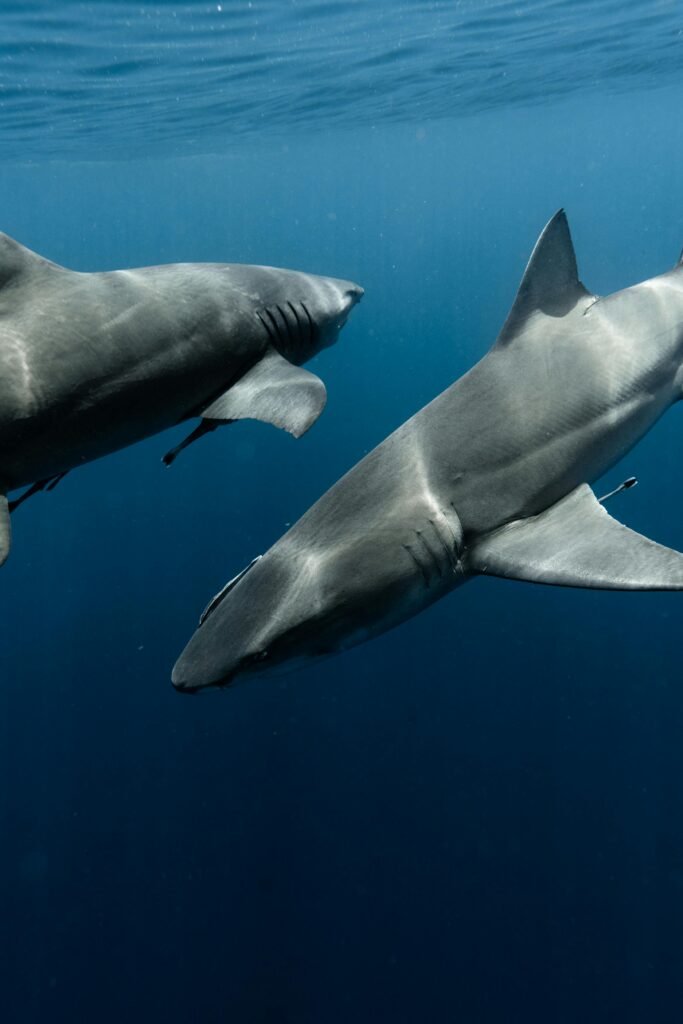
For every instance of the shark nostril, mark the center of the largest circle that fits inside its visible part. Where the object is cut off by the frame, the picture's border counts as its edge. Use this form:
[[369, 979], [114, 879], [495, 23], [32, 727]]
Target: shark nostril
[[351, 297]]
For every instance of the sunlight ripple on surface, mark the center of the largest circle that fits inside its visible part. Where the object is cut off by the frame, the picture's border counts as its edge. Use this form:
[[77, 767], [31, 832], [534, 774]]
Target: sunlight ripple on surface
[[121, 79]]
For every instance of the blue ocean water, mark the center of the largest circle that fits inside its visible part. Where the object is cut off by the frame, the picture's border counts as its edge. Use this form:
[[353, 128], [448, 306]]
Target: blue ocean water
[[478, 816], [120, 77]]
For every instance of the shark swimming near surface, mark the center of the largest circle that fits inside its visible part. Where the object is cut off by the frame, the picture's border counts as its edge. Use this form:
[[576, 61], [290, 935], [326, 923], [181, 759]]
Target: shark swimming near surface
[[491, 478], [92, 362]]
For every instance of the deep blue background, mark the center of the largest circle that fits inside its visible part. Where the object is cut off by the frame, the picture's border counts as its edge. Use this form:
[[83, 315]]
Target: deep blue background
[[477, 817]]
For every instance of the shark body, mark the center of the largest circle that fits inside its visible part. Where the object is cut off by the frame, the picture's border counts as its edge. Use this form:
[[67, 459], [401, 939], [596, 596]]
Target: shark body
[[491, 478], [92, 362]]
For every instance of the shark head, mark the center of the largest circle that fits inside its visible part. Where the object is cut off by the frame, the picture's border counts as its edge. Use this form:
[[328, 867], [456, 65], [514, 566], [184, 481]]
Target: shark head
[[329, 305], [291, 607], [301, 602], [264, 617], [301, 313]]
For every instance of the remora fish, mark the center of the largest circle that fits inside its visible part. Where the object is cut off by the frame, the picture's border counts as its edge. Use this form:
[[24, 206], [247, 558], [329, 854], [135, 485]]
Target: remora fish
[[90, 363], [489, 478]]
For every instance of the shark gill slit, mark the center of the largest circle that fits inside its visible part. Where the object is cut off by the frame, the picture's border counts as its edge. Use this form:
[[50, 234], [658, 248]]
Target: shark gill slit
[[311, 325], [299, 325], [418, 563], [450, 555], [275, 327], [460, 545], [457, 539], [430, 551], [290, 338], [269, 331]]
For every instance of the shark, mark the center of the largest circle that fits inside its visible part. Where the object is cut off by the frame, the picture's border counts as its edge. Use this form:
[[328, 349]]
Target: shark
[[93, 362], [491, 478]]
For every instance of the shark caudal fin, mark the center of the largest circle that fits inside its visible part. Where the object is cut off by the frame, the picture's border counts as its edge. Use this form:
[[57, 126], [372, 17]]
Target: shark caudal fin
[[5, 529], [576, 543], [550, 284]]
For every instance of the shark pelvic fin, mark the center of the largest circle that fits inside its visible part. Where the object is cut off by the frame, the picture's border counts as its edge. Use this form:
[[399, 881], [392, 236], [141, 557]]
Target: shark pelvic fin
[[5, 529], [576, 543], [274, 391], [551, 280]]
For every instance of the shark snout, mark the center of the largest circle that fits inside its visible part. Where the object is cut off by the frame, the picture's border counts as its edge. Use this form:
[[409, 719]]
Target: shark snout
[[192, 675], [354, 293], [216, 651], [236, 629], [350, 295]]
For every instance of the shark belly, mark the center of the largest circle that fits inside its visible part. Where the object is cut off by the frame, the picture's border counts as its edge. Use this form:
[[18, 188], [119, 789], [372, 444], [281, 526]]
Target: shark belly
[[69, 434]]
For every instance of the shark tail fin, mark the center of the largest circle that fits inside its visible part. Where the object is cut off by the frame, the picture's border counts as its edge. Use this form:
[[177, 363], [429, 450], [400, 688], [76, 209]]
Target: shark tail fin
[[576, 543]]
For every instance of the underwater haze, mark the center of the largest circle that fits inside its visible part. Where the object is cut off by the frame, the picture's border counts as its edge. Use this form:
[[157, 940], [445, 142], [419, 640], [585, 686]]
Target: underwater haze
[[477, 817]]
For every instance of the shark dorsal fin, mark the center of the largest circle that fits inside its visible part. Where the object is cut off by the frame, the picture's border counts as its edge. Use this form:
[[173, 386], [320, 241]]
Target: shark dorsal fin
[[16, 259], [551, 280]]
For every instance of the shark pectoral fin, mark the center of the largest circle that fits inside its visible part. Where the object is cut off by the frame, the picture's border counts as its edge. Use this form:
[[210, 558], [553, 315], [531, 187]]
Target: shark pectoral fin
[[273, 391], [576, 543], [5, 529]]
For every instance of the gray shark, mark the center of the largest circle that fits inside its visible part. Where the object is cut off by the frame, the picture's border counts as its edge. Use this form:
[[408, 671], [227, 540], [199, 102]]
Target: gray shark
[[490, 478], [90, 363]]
